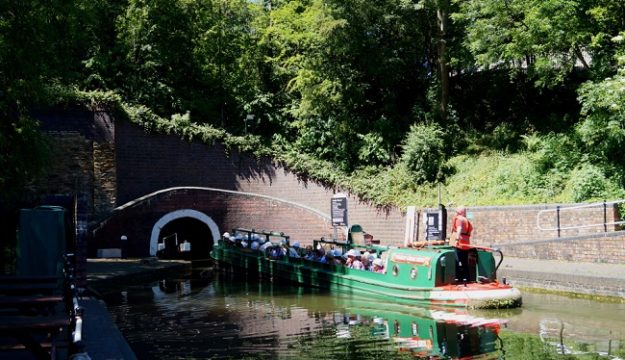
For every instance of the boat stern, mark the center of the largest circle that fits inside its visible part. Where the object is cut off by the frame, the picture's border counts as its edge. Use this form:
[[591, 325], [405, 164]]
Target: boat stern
[[478, 296]]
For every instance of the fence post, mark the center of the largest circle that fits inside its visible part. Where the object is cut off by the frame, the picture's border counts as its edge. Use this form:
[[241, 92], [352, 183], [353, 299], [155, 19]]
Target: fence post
[[558, 218], [605, 217]]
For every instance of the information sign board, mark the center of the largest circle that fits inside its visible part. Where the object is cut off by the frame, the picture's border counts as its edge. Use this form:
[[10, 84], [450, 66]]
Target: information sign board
[[338, 210]]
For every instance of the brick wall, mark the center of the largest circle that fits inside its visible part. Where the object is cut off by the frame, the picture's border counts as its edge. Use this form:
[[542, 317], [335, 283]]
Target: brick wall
[[115, 162], [600, 248], [227, 209], [150, 162], [82, 158], [503, 225]]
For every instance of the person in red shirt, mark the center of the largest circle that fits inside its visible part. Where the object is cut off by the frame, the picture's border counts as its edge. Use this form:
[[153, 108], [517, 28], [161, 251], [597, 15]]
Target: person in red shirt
[[461, 229]]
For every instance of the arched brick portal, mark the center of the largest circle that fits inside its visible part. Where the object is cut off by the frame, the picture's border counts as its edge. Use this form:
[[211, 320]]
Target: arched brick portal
[[156, 230], [141, 219]]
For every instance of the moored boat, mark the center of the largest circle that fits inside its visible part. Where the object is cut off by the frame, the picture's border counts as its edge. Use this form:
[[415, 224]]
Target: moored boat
[[427, 274]]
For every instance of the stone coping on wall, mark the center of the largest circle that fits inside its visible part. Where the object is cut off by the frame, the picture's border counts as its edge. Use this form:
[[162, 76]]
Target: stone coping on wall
[[528, 207]]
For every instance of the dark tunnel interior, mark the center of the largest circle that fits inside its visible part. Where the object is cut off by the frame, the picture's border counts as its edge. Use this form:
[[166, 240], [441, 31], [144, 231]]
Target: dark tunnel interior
[[185, 238]]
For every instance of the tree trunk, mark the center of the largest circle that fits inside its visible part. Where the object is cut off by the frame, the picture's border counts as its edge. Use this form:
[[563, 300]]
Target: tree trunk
[[441, 16]]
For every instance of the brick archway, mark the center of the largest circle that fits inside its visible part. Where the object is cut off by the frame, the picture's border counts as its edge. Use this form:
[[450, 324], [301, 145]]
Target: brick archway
[[183, 213]]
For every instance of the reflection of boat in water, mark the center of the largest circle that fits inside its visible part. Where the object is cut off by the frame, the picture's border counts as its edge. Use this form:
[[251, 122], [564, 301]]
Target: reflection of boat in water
[[424, 332], [421, 331], [426, 275], [444, 335], [241, 316]]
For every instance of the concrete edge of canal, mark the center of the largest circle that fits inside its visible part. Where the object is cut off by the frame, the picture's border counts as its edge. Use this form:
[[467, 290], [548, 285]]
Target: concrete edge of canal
[[102, 339]]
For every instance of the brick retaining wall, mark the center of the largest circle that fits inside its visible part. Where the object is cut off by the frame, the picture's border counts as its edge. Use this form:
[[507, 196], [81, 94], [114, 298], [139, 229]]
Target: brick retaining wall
[[114, 162]]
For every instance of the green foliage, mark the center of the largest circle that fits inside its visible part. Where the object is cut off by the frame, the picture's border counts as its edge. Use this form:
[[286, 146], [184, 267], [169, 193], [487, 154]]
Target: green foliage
[[23, 153], [587, 182], [424, 153], [505, 137], [335, 86], [372, 149], [603, 129], [553, 153], [546, 37]]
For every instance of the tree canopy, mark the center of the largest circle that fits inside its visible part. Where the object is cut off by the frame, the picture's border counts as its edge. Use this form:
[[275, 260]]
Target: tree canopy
[[383, 89]]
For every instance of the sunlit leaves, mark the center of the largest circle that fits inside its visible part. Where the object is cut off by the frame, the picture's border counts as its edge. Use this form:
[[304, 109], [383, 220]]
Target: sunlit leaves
[[546, 37]]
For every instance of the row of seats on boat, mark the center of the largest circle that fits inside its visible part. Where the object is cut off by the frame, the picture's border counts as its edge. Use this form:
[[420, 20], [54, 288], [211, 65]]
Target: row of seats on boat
[[353, 259]]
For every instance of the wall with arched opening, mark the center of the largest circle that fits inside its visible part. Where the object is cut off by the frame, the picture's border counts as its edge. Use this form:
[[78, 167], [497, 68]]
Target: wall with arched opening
[[143, 220], [200, 242]]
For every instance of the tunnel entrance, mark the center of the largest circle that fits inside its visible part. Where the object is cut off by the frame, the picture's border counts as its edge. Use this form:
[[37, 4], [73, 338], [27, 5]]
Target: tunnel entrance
[[185, 238]]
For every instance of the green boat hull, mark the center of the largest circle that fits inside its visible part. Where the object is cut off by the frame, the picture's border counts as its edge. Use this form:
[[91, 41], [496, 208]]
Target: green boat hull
[[420, 277]]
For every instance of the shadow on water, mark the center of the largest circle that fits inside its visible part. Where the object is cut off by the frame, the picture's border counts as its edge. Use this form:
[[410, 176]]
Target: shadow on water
[[223, 316]]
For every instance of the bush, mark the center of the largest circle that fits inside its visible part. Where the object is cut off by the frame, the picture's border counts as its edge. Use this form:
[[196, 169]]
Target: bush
[[372, 149], [553, 152], [505, 137], [424, 153], [587, 182]]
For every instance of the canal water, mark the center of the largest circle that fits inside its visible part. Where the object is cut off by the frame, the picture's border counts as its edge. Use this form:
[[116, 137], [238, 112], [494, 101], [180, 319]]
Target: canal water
[[219, 316]]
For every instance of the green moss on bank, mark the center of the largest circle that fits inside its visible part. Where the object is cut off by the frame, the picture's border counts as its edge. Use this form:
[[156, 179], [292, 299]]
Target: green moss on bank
[[573, 295]]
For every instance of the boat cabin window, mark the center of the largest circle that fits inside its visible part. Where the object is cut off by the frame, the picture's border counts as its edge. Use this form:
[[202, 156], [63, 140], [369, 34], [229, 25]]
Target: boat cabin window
[[395, 270], [413, 273]]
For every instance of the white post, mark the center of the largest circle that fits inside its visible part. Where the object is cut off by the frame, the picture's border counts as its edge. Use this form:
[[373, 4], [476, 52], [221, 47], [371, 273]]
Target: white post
[[410, 225], [124, 244]]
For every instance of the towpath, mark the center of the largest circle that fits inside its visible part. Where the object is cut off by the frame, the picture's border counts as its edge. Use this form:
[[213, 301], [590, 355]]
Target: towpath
[[596, 279]]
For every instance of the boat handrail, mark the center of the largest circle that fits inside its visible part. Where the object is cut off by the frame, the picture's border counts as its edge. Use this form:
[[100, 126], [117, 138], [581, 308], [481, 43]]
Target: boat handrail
[[500, 259], [349, 245], [485, 248], [268, 234], [333, 242]]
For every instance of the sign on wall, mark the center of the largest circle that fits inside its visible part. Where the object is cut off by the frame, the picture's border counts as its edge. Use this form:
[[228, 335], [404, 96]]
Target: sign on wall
[[436, 224], [338, 210]]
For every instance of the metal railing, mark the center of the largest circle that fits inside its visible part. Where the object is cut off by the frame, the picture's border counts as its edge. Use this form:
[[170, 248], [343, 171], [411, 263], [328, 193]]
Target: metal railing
[[559, 209]]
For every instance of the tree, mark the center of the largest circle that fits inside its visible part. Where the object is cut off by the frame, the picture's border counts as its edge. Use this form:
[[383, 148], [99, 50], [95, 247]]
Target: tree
[[545, 37], [603, 109], [41, 44]]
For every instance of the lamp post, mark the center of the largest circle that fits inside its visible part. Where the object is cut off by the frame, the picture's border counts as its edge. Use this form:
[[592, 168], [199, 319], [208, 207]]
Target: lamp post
[[124, 245]]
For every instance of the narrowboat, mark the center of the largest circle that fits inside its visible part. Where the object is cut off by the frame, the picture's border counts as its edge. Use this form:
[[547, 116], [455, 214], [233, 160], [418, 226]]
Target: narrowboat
[[421, 275]]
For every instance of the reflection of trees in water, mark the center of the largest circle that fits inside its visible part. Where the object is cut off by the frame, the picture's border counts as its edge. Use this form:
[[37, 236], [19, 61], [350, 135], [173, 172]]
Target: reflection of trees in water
[[226, 317]]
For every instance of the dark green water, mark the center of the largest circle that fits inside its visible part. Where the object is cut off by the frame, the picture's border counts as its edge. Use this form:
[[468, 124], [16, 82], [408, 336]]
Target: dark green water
[[221, 316]]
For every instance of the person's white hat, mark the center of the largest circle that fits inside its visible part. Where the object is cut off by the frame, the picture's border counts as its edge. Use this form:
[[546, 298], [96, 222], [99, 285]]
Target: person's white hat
[[296, 244], [378, 262]]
